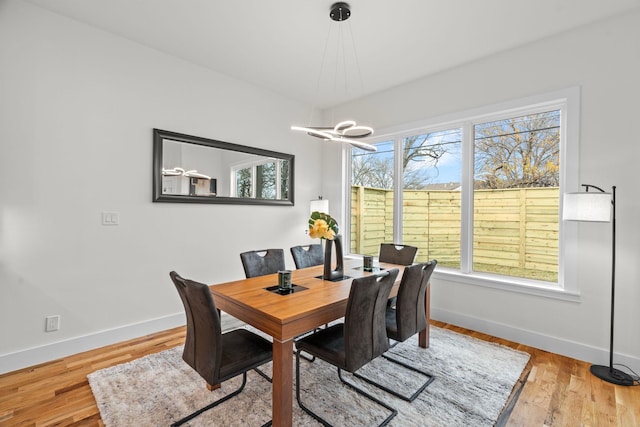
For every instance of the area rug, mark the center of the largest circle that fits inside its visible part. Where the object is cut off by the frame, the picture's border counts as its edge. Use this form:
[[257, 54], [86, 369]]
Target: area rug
[[473, 382]]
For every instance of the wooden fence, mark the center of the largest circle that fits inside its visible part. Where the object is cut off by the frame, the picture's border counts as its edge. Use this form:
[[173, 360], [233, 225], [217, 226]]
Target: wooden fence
[[515, 230]]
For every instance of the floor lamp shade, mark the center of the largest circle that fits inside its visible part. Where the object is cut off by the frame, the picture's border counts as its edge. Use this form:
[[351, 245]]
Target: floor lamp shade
[[320, 205], [593, 207]]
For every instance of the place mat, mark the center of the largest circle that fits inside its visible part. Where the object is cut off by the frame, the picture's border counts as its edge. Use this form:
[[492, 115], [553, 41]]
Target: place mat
[[339, 279], [294, 288], [369, 270]]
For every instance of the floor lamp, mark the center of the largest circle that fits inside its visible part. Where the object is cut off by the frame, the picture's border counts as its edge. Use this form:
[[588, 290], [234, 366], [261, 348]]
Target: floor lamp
[[599, 207]]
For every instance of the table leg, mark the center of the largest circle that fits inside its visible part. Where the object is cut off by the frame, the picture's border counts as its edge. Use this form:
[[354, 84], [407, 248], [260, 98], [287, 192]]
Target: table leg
[[282, 383], [423, 336]]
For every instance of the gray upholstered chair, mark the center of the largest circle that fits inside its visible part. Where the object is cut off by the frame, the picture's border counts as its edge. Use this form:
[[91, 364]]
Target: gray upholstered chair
[[215, 356], [409, 317], [262, 262], [397, 254], [360, 339], [307, 255]]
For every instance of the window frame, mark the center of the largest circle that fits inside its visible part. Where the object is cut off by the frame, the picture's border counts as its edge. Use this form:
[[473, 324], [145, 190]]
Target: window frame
[[568, 102], [253, 167]]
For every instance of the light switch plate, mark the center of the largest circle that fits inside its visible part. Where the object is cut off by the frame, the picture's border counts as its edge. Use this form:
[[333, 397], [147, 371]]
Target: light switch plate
[[110, 218]]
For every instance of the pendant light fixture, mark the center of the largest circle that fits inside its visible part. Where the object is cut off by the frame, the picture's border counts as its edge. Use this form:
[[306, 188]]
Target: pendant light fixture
[[347, 131]]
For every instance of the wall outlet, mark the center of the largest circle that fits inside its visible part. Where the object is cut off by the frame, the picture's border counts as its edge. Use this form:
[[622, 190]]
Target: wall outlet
[[52, 323], [110, 218]]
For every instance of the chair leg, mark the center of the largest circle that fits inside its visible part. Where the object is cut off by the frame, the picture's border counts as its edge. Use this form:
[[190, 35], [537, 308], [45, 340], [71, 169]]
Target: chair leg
[[218, 402], [357, 390], [393, 392], [304, 408], [312, 358]]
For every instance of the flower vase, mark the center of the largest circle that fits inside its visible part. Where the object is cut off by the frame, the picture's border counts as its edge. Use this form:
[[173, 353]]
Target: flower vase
[[338, 272]]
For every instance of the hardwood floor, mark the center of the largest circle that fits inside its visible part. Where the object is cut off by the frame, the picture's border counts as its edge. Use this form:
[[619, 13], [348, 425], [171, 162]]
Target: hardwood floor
[[558, 391]]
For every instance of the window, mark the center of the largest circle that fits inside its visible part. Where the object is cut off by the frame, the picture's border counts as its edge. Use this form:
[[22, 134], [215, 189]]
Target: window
[[372, 198], [431, 204], [480, 193], [259, 180], [516, 196]]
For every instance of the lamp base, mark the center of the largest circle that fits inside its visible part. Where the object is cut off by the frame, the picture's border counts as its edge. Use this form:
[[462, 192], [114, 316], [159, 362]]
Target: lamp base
[[611, 375]]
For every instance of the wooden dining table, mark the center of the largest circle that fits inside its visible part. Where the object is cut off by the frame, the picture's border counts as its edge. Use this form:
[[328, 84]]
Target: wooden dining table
[[313, 303]]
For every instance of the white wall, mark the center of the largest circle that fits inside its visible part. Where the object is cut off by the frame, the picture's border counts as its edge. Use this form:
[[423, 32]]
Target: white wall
[[604, 60], [77, 106], [77, 109]]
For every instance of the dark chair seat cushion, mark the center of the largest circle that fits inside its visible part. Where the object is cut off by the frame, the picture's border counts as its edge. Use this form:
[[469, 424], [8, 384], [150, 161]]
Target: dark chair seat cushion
[[242, 350], [326, 344]]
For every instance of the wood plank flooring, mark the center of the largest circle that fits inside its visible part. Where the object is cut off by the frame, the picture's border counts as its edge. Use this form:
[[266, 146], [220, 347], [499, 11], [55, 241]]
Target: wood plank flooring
[[558, 391]]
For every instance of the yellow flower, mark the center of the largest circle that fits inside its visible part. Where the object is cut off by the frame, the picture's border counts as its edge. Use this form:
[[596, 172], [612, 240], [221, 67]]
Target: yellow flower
[[319, 229], [322, 226], [329, 234]]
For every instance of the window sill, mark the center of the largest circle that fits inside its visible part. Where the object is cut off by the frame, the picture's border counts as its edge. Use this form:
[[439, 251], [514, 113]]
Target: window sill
[[510, 284]]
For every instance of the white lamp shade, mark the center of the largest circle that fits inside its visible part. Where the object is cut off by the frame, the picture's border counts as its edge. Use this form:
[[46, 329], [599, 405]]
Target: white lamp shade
[[320, 205], [594, 207]]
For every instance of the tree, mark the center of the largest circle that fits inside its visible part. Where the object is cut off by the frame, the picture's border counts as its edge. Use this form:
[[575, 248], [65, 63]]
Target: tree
[[369, 170], [420, 155], [518, 152], [419, 163]]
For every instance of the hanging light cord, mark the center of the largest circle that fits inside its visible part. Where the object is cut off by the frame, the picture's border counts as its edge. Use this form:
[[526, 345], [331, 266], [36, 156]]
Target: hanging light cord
[[319, 79], [347, 131]]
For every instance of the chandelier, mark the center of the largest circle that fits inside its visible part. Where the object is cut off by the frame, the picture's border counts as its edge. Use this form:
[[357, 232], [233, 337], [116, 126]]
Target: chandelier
[[347, 131]]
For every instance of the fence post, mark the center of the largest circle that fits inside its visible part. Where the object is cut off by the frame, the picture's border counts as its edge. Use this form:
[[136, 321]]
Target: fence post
[[360, 221], [523, 227]]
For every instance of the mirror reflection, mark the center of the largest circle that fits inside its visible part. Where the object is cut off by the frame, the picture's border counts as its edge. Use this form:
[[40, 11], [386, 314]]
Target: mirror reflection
[[198, 170]]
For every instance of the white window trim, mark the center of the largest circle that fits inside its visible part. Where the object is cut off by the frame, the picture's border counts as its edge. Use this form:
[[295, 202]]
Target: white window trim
[[568, 101]]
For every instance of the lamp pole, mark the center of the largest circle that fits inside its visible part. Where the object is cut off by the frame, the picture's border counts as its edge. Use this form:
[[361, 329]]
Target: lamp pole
[[609, 373]]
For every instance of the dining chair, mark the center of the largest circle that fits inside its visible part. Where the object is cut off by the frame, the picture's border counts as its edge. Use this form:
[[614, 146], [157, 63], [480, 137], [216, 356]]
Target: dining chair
[[408, 318], [397, 254], [215, 356], [351, 344], [262, 262], [307, 255]]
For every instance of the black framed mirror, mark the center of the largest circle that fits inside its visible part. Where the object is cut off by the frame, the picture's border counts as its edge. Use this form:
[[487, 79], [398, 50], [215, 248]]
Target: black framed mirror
[[191, 169]]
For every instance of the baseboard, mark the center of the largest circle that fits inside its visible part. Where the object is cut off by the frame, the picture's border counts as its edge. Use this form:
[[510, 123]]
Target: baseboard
[[46, 353], [571, 349]]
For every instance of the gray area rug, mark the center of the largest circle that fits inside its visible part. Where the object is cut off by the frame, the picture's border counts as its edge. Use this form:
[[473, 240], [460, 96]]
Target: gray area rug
[[473, 381]]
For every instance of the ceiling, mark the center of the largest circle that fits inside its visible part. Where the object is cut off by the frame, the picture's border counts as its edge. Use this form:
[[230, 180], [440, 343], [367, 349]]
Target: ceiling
[[279, 44]]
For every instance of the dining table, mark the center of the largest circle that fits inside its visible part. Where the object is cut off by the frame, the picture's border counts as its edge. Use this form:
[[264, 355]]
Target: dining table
[[311, 303]]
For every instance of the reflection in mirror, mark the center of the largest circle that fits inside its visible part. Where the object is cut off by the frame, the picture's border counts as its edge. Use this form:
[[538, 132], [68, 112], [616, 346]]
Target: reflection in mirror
[[199, 170]]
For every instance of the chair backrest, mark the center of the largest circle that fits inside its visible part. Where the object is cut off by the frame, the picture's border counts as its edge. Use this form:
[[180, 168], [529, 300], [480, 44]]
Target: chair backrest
[[307, 255], [262, 262], [202, 346], [397, 254], [365, 333], [410, 309]]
